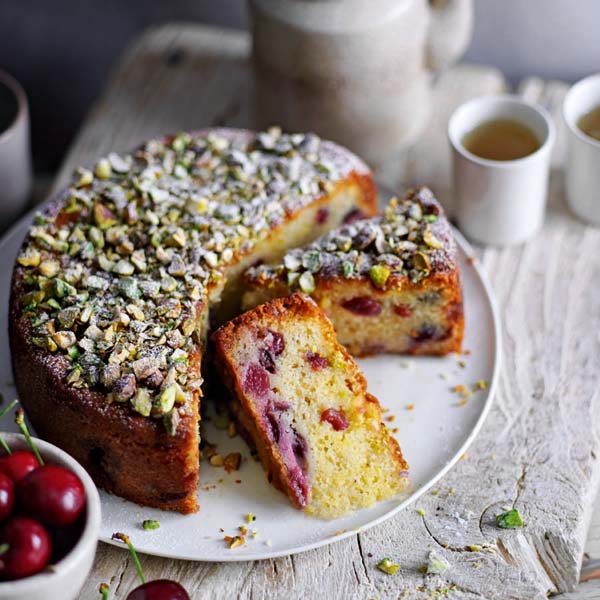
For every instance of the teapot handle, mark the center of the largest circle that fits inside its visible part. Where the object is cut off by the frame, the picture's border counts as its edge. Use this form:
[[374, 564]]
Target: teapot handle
[[450, 28]]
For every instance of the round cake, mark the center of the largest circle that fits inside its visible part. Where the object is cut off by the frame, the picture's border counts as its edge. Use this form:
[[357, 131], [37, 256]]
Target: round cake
[[120, 276]]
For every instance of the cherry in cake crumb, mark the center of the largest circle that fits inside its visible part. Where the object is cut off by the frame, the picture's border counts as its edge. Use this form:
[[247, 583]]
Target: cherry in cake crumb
[[363, 306], [267, 361], [403, 310], [354, 215], [256, 380], [274, 341], [316, 361], [336, 418], [322, 215]]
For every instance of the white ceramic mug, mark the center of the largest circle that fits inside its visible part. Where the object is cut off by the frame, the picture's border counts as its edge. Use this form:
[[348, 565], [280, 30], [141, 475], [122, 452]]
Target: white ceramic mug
[[582, 168], [500, 202], [15, 154]]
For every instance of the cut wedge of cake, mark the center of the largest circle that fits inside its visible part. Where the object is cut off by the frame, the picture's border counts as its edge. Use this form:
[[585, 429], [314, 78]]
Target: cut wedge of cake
[[389, 284], [301, 401]]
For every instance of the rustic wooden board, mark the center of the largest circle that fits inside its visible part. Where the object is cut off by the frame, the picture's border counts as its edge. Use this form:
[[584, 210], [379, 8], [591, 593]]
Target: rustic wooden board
[[538, 450]]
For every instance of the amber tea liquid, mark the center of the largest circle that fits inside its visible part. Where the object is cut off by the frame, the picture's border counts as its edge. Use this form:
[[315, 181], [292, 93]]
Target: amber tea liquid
[[501, 139], [590, 123]]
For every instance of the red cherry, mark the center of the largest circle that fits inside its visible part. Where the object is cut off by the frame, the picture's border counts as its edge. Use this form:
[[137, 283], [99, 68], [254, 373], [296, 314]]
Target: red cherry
[[161, 589], [336, 418], [362, 305], [52, 494], [29, 548], [256, 380], [18, 464], [316, 361], [7, 496]]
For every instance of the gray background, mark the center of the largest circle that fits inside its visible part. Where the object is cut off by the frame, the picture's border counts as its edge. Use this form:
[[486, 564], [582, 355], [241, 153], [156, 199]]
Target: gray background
[[61, 50]]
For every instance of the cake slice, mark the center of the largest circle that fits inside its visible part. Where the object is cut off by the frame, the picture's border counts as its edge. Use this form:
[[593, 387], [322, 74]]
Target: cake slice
[[301, 400], [389, 284]]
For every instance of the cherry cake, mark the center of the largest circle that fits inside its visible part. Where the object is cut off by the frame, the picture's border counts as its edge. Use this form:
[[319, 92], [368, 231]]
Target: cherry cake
[[389, 283], [301, 401]]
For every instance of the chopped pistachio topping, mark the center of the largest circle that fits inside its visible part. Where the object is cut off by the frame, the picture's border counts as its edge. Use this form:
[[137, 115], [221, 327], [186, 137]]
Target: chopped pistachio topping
[[408, 240], [436, 565], [114, 280], [511, 519], [379, 275], [150, 524], [387, 566]]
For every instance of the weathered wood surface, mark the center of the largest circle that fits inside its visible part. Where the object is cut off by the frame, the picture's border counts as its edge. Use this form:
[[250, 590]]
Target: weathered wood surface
[[537, 451]]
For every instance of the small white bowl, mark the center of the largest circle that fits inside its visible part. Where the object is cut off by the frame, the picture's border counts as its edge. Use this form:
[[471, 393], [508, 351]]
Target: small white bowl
[[66, 577]]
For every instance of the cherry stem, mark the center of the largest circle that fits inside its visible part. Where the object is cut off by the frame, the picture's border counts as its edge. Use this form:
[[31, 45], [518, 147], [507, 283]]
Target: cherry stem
[[3, 413], [125, 539], [20, 421], [104, 591], [8, 408], [4, 548]]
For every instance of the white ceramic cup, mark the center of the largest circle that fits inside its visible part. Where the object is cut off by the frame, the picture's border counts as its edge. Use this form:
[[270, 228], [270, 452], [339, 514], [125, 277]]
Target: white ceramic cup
[[582, 168], [500, 202], [15, 154]]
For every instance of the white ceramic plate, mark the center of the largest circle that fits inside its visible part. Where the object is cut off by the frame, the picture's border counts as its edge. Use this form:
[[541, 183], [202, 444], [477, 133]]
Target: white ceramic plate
[[433, 435]]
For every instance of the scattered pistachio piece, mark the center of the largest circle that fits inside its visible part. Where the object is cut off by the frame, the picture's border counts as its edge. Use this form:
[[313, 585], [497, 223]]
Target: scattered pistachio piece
[[387, 566], [511, 519]]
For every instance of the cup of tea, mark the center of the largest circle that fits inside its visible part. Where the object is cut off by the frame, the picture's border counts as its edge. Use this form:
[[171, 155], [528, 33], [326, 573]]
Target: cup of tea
[[501, 147], [581, 112], [15, 157]]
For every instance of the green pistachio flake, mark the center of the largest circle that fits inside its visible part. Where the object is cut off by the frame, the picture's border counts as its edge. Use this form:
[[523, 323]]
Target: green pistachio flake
[[379, 275], [307, 282], [421, 261], [62, 289], [511, 519], [436, 565], [142, 402], [312, 261], [430, 239], [347, 269], [150, 524], [387, 566], [103, 169], [167, 398]]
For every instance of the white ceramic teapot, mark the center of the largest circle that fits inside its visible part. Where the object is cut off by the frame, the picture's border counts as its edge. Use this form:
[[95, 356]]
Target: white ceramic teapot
[[354, 71]]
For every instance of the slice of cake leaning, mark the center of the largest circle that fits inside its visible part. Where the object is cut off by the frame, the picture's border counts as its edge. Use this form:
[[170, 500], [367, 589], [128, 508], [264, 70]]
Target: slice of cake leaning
[[389, 284], [301, 401]]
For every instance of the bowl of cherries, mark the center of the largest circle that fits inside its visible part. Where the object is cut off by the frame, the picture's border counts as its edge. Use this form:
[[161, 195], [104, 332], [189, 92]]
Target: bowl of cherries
[[49, 520]]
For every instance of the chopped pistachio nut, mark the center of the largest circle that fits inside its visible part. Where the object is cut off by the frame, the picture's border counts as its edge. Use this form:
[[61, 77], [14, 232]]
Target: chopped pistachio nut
[[379, 275], [436, 565], [511, 519], [150, 524], [387, 566], [307, 282], [103, 169]]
